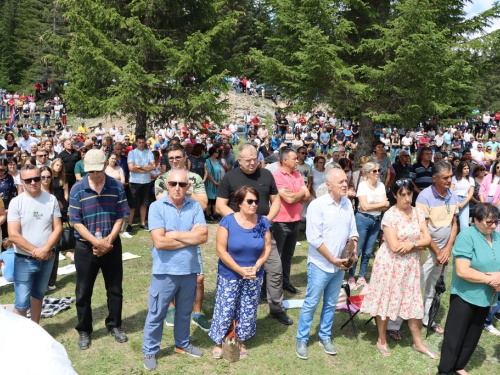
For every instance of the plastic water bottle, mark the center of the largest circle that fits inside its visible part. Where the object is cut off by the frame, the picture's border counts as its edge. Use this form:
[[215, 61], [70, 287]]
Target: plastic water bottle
[[98, 234]]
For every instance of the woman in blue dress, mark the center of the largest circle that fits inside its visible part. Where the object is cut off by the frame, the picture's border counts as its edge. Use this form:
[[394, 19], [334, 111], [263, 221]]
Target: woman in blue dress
[[214, 177], [243, 245]]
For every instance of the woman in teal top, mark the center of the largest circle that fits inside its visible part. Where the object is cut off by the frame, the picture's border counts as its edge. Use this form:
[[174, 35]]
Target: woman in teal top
[[475, 282]]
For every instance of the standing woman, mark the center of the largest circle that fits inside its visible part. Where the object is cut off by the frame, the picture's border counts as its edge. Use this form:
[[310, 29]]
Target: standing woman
[[297, 142], [478, 174], [372, 201], [12, 147], [8, 190], [394, 290], [14, 172], [288, 137], [61, 191], [107, 146], [395, 146], [115, 171], [464, 188], [489, 191], [79, 167], [380, 156], [474, 282], [243, 245], [198, 164], [266, 148], [318, 174], [214, 177]]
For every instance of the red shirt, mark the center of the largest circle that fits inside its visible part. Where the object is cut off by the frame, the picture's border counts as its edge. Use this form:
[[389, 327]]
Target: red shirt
[[497, 116], [288, 212]]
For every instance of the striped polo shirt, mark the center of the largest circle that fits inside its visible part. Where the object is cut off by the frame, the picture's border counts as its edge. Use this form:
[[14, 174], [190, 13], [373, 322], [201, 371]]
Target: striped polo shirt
[[422, 176], [440, 211], [471, 245], [97, 210]]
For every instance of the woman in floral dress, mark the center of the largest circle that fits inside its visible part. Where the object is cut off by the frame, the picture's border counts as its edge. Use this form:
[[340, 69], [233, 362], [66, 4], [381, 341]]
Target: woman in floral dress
[[243, 245], [394, 290]]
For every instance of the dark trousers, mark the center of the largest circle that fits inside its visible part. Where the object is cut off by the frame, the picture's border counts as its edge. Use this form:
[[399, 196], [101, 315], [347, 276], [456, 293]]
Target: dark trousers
[[286, 235], [53, 274], [272, 284], [87, 267], [463, 329]]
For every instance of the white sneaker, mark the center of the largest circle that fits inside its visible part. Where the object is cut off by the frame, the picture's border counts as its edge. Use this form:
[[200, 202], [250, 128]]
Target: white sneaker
[[126, 235], [492, 330], [297, 244]]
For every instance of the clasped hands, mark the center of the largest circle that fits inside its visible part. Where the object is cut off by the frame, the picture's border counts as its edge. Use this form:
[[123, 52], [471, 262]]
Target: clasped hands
[[494, 281], [340, 263], [42, 253], [248, 273], [101, 247]]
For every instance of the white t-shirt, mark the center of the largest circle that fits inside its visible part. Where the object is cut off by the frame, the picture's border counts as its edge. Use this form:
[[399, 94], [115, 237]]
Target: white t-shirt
[[467, 137], [375, 196], [112, 131], [463, 186], [406, 141], [493, 186], [478, 155], [318, 179], [25, 143], [67, 134]]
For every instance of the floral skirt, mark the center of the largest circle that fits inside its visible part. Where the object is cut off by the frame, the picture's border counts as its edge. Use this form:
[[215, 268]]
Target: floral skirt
[[235, 299]]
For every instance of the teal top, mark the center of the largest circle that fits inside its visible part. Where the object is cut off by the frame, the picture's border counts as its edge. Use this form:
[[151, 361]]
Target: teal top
[[471, 244]]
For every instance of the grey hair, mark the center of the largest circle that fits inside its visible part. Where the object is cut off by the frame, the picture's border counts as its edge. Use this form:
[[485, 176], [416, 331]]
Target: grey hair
[[327, 175], [246, 146], [438, 154], [329, 167], [183, 171], [440, 167]]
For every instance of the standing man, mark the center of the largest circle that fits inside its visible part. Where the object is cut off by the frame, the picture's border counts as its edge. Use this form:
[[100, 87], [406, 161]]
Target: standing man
[[177, 226], [98, 203], [439, 205], [140, 164], [26, 140], [422, 171], [34, 215], [247, 118], [228, 156], [100, 132], [70, 157], [293, 192], [249, 174], [325, 269], [120, 136]]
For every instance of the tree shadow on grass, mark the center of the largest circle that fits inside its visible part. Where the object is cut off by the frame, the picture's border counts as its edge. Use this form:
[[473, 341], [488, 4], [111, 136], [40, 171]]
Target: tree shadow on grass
[[477, 359], [297, 259]]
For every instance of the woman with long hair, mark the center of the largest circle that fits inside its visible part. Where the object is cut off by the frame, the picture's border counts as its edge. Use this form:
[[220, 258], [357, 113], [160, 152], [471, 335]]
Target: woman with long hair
[[8, 190], [12, 147], [79, 166], [318, 174], [115, 171], [478, 175], [489, 191], [463, 185], [214, 177], [14, 172], [61, 190]]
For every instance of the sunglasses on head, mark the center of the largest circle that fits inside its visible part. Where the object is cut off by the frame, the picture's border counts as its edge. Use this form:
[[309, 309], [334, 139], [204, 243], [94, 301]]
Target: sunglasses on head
[[252, 201], [30, 180], [181, 184]]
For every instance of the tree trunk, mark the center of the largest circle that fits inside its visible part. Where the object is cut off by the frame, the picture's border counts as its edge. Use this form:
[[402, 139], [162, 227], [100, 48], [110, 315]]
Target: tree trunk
[[366, 137], [140, 123]]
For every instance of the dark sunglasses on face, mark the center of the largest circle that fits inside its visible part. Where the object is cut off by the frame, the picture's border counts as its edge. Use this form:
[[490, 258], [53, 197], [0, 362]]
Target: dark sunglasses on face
[[252, 201], [95, 171], [3, 170], [174, 184], [30, 180], [375, 171]]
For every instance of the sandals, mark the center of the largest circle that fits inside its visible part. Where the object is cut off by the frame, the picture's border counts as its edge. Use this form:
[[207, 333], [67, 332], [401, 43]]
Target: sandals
[[217, 353], [394, 334], [437, 329], [429, 353], [383, 350], [243, 351], [361, 281]]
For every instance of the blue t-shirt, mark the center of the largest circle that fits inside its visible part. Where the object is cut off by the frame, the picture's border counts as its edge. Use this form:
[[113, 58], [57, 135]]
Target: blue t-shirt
[[244, 245], [7, 257], [141, 158]]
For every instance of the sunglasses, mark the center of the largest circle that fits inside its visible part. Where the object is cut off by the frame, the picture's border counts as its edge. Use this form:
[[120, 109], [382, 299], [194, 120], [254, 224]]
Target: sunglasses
[[175, 158], [303, 153], [491, 222], [374, 171], [41, 156], [30, 180], [46, 177], [174, 184], [3, 170], [252, 201], [95, 171]]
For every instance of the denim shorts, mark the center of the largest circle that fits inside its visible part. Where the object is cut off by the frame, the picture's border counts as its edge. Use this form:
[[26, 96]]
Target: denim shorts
[[200, 261], [31, 278]]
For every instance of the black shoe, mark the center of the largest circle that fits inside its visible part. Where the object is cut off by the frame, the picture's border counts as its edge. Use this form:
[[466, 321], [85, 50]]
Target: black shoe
[[129, 228], [290, 288], [118, 334], [282, 318], [144, 227], [83, 341]]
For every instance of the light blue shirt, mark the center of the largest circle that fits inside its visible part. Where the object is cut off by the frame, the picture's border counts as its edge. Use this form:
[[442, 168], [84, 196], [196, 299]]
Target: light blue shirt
[[331, 224], [494, 145], [447, 137], [141, 158], [164, 214]]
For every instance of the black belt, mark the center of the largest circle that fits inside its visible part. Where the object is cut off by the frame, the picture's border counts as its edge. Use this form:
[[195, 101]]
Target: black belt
[[370, 216], [24, 256]]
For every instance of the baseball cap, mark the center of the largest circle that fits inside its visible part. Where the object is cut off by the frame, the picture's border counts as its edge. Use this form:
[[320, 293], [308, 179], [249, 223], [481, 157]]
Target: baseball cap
[[94, 161]]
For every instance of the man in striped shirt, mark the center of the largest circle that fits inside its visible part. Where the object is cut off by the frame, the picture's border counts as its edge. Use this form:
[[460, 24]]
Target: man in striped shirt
[[98, 204]]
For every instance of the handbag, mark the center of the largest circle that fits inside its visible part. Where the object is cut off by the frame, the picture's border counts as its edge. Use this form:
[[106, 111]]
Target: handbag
[[231, 344], [67, 240], [348, 253], [356, 199]]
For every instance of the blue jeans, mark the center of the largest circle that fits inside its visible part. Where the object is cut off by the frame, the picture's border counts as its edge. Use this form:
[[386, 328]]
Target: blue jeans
[[394, 153], [247, 130], [368, 229], [234, 138], [2, 113], [494, 310], [162, 290], [323, 149], [319, 284], [31, 278], [46, 120], [463, 214]]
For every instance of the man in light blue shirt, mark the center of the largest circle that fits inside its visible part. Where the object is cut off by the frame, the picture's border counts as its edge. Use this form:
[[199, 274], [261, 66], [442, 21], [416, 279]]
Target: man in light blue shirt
[[330, 224], [140, 163], [493, 143], [177, 226]]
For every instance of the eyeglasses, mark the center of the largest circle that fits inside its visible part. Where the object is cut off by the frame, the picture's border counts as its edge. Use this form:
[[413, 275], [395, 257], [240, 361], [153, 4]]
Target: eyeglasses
[[374, 171], [175, 158], [491, 222], [95, 171], [3, 170], [252, 201], [46, 177], [30, 180], [41, 156], [174, 184]]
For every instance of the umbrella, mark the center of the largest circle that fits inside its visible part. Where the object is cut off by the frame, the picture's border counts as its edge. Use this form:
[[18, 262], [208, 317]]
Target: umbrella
[[436, 301]]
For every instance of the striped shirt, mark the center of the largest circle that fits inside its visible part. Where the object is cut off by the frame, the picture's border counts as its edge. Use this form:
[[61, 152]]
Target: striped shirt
[[97, 210], [422, 176]]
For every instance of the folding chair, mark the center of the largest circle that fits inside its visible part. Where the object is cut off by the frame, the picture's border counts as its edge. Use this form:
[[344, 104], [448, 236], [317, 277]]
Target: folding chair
[[351, 301]]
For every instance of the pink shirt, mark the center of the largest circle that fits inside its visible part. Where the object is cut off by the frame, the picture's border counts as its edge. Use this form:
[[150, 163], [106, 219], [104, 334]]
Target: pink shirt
[[288, 212]]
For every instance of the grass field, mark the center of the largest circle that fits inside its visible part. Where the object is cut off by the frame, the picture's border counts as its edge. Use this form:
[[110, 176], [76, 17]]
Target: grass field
[[271, 350]]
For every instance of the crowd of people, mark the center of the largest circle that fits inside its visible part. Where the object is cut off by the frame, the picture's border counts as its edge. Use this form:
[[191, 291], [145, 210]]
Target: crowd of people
[[299, 169]]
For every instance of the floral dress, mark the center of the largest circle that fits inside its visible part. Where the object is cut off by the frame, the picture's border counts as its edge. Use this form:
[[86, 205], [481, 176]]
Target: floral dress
[[394, 289]]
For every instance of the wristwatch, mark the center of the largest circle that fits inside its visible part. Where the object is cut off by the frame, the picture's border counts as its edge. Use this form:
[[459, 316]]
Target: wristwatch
[[415, 244]]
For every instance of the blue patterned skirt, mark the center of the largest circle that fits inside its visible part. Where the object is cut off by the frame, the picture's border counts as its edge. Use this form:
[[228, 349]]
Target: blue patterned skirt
[[235, 299]]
